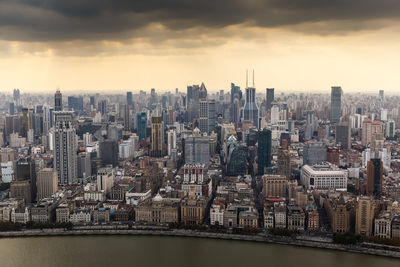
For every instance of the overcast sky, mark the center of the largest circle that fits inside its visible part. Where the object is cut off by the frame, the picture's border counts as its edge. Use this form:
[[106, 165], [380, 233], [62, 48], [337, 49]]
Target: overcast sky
[[293, 45]]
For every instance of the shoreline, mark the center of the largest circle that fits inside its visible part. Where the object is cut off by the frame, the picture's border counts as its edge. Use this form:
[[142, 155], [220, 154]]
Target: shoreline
[[190, 233]]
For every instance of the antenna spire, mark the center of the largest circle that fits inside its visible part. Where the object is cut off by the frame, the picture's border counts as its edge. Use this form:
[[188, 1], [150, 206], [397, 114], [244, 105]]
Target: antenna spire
[[253, 79], [247, 78]]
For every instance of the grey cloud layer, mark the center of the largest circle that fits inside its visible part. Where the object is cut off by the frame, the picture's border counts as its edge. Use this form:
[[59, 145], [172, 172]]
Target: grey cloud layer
[[54, 20]]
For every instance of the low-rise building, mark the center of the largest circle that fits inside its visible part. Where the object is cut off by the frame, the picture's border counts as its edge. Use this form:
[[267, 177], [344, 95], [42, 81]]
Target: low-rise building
[[280, 215], [81, 216], [383, 225], [216, 215], [268, 217], [62, 213], [157, 211], [248, 219], [101, 215], [295, 218], [324, 177], [20, 215]]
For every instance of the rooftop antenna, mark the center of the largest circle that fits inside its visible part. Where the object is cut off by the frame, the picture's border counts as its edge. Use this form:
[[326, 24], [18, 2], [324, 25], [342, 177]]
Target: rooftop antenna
[[247, 78], [253, 79]]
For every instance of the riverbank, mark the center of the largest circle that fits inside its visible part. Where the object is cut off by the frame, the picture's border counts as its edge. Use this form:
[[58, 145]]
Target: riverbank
[[190, 233]]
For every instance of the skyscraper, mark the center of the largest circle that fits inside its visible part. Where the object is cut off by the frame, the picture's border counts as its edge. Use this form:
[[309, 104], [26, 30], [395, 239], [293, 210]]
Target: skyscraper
[[109, 152], [171, 138], [250, 107], [343, 135], [390, 129], [65, 145], [197, 148], [234, 110], [374, 177], [157, 137], [270, 97], [129, 100], [336, 104], [46, 183], [58, 101], [264, 150], [75, 103], [141, 121], [207, 116], [16, 97], [382, 95]]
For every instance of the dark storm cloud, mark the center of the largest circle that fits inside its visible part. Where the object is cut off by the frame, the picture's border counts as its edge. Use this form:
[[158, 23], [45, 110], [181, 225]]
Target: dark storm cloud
[[54, 20]]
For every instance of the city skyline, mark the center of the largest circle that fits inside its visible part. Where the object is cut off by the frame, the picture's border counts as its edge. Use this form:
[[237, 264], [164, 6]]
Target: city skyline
[[292, 46]]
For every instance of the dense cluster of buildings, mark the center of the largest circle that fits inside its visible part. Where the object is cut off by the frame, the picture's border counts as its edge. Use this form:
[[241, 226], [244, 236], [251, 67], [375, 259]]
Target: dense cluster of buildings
[[302, 162]]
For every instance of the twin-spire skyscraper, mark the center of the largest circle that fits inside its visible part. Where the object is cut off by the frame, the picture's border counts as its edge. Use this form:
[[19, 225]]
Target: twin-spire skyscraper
[[250, 106]]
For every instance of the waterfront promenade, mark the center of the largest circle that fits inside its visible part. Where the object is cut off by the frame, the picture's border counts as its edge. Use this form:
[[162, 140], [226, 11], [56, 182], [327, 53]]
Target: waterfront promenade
[[298, 241]]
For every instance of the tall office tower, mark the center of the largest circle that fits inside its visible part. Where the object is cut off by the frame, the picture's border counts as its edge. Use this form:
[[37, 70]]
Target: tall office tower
[[58, 106], [11, 108], [129, 99], [114, 132], [390, 128], [65, 146], [310, 125], [314, 153], [92, 100], [274, 114], [189, 95], [197, 148], [235, 92], [46, 183], [84, 166], [343, 135], [157, 137], [171, 138], [284, 163], [141, 124], [336, 104], [202, 91], [75, 103], [16, 97], [102, 107], [25, 171], [369, 129], [381, 95], [105, 179], [250, 107], [25, 122], [109, 152], [264, 150], [270, 97], [374, 177], [365, 210], [124, 114], [207, 116]]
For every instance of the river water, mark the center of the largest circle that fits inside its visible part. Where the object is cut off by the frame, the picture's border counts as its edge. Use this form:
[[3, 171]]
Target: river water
[[151, 251]]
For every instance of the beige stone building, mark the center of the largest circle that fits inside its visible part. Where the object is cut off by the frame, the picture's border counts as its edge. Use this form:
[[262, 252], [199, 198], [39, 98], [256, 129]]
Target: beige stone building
[[248, 219], [296, 218], [365, 211], [46, 183], [193, 210], [158, 210], [21, 190], [274, 185], [339, 213]]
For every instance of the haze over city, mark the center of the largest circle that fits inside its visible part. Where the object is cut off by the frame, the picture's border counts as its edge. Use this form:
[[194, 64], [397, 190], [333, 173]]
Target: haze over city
[[199, 133], [106, 45]]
